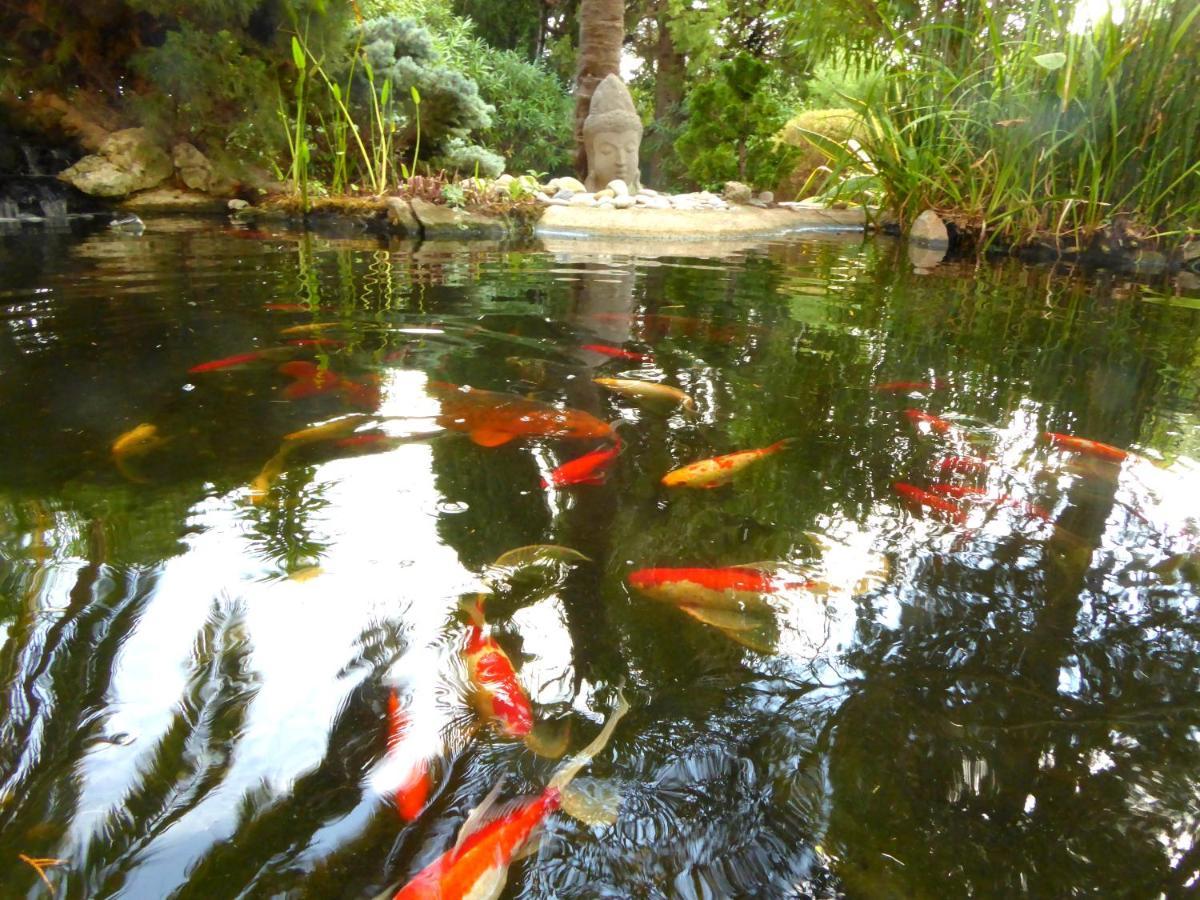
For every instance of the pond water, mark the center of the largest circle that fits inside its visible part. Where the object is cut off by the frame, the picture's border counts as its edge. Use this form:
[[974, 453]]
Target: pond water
[[963, 659]]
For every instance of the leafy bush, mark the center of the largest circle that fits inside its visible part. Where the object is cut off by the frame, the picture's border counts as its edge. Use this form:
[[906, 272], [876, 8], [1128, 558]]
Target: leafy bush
[[731, 126], [468, 159]]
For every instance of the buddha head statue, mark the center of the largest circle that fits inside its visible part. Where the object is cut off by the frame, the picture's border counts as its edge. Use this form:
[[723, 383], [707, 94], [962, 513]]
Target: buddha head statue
[[612, 133]]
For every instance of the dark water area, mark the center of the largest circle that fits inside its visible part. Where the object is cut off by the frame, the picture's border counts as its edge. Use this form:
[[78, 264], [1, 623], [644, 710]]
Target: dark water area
[[983, 682]]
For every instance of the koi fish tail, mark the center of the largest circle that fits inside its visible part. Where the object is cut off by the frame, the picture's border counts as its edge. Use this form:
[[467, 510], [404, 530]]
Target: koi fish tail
[[473, 609], [781, 444], [566, 774]]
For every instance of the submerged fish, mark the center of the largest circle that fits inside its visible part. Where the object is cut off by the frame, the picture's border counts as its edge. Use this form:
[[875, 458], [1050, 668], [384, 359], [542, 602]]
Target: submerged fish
[[231, 362], [922, 498], [477, 866], [1082, 445], [712, 473], [136, 441], [412, 793], [732, 588], [591, 468], [312, 380], [496, 693], [491, 418], [647, 390], [964, 465], [618, 353], [924, 421]]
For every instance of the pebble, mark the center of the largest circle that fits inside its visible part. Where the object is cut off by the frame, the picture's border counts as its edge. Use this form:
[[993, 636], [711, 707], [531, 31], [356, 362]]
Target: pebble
[[564, 194], [582, 200], [607, 192], [624, 201], [618, 187]]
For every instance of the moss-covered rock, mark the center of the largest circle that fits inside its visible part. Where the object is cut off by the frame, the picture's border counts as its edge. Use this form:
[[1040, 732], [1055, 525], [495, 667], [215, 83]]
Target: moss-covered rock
[[805, 132]]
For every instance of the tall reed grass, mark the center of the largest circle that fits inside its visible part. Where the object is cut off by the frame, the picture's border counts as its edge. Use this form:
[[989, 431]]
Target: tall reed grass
[[1029, 118]]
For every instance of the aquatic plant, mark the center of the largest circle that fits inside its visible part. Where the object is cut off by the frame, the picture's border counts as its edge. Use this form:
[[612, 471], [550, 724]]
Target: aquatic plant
[[1039, 118]]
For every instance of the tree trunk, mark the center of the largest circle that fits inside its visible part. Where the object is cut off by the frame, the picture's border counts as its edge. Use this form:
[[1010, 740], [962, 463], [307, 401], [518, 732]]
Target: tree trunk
[[601, 33]]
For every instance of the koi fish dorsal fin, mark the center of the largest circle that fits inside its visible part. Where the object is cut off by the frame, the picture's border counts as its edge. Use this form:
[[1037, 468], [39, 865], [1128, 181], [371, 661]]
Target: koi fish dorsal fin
[[489, 437], [483, 813], [725, 619], [571, 768]]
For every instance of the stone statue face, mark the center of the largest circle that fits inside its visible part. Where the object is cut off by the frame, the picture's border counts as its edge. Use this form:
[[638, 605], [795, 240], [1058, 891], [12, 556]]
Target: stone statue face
[[613, 154]]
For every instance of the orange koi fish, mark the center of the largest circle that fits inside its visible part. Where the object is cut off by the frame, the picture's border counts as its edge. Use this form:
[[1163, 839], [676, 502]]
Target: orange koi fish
[[920, 498], [618, 353], [712, 473], [733, 588], [497, 695], [311, 381], [490, 418], [477, 867], [413, 791], [924, 421], [963, 465], [228, 362], [903, 387], [591, 468], [1083, 445], [962, 492], [288, 307]]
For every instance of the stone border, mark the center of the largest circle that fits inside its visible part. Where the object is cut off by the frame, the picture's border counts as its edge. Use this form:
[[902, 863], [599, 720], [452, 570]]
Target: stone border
[[698, 224]]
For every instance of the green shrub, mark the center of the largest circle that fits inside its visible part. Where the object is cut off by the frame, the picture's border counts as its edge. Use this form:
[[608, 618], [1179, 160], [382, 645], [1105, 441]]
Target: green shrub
[[812, 133]]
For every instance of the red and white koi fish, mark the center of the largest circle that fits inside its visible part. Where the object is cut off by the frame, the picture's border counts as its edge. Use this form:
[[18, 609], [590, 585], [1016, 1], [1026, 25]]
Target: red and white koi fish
[[412, 793], [477, 866], [921, 498], [591, 468], [619, 353], [496, 693], [963, 465], [903, 387], [963, 492], [957, 491], [1082, 445], [712, 473], [924, 421]]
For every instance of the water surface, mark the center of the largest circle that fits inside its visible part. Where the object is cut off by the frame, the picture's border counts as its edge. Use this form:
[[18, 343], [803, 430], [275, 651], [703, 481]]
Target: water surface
[[198, 654]]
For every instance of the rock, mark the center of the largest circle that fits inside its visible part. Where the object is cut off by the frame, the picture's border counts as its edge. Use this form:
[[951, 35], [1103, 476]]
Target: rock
[[767, 197], [557, 201], [169, 199], [128, 161], [624, 201], [605, 194], [604, 203], [237, 205], [564, 194], [444, 222], [618, 188], [736, 192], [541, 197], [649, 192], [761, 204], [197, 172], [1189, 253], [582, 200], [929, 231], [567, 183], [401, 219], [653, 202]]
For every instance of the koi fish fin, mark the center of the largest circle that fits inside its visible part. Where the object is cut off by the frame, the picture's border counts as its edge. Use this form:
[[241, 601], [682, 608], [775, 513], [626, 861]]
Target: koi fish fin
[[567, 772], [488, 437], [592, 801], [478, 817], [530, 847], [535, 553], [413, 793], [549, 739], [712, 485], [725, 619], [781, 444]]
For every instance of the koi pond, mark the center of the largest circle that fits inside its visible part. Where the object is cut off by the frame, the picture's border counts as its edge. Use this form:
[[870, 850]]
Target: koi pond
[[314, 550]]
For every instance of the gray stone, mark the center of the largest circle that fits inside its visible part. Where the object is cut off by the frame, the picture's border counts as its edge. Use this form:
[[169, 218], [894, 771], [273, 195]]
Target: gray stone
[[618, 187], [567, 183], [624, 201], [1190, 251], [197, 172], [736, 192], [556, 201], [612, 134], [649, 191], [128, 161], [767, 197], [582, 200], [761, 204], [401, 219], [444, 222], [929, 231], [565, 194], [128, 224], [605, 203], [237, 204], [653, 202]]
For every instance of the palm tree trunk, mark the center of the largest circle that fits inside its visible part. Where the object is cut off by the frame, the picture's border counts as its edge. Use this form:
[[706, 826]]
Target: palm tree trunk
[[601, 33]]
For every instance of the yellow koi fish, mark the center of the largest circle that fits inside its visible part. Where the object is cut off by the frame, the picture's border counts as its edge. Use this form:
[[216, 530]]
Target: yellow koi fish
[[137, 441], [711, 473], [647, 390]]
